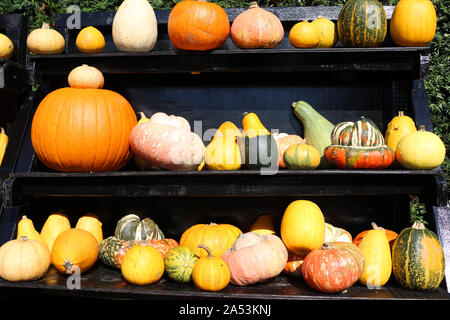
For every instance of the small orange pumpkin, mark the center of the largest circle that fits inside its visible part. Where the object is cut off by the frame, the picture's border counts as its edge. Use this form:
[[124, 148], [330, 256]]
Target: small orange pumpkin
[[90, 40], [210, 273], [198, 25], [74, 247]]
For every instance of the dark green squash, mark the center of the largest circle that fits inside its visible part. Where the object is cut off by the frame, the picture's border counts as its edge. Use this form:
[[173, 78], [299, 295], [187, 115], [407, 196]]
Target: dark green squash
[[418, 258], [362, 23]]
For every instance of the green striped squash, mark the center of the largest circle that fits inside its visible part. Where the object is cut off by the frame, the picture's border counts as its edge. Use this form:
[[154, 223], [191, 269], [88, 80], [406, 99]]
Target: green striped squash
[[179, 263], [362, 23], [301, 156], [362, 133], [418, 258]]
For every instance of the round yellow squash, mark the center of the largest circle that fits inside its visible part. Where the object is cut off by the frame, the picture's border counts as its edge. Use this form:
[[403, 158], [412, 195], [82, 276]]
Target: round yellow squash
[[398, 127], [90, 40], [210, 273], [303, 227], [304, 34], [420, 150], [328, 34], [6, 47], [142, 265]]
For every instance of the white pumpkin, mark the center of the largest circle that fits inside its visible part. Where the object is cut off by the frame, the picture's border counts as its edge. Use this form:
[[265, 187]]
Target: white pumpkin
[[134, 27], [167, 142]]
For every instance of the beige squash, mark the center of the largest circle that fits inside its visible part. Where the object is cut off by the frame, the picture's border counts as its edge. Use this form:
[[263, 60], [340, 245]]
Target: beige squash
[[90, 222], [45, 41], [134, 27]]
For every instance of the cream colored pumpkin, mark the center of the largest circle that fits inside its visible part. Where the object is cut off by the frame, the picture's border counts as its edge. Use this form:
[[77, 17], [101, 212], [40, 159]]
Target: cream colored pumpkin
[[85, 76], [45, 41], [134, 28], [23, 259]]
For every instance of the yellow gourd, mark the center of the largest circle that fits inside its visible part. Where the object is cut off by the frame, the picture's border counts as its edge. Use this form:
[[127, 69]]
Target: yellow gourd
[[263, 225], [252, 126], [25, 228], [302, 227], [56, 223], [90, 40], [420, 150], [142, 265], [6, 47], [377, 255], [328, 35], [223, 153], [90, 222], [226, 129], [210, 273], [398, 127], [304, 34], [3, 144]]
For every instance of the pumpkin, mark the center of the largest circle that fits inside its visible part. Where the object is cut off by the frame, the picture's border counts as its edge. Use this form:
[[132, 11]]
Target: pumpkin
[[362, 23], [254, 258], [293, 265], [334, 267], [301, 156], [141, 163], [6, 47], [3, 144], [257, 145], [418, 258], [179, 264], [420, 150], [45, 41], [302, 227], [358, 145], [210, 273], [377, 257], [90, 222], [413, 23], [304, 34], [112, 250], [257, 28], [131, 227], [217, 237], [166, 141], [227, 128], [328, 35], [316, 128], [263, 225], [142, 265], [84, 77], [198, 25], [23, 259], [83, 130], [74, 248], [134, 28], [25, 228], [336, 234], [285, 140], [56, 223], [391, 235], [397, 128], [90, 40]]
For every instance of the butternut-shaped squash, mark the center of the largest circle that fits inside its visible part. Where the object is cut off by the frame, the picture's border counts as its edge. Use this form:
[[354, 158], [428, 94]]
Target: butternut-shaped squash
[[56, 223]]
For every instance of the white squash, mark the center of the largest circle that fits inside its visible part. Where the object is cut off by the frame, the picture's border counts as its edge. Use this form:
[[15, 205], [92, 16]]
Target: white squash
[[134, 27]]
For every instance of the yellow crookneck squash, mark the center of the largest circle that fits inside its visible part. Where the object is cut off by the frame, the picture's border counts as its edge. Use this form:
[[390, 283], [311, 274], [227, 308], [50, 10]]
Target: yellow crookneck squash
[[25, 228], [397, 128], [3, 144]]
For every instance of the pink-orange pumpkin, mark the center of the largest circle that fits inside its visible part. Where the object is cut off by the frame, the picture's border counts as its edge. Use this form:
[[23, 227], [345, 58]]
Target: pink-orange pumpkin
[[254, 258], [167, 142]]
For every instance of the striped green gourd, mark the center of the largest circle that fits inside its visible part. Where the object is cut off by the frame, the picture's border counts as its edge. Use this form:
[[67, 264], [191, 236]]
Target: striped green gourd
[[179, 263], [418, 258], [362, 24], [301, 156]]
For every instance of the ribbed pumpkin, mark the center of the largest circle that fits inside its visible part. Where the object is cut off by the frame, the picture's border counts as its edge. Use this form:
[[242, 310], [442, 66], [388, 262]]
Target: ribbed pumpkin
[[420, 150], [45, 40], [131, 227], [210, 273], [198, 25], [179, 264], [302, 227], [257, 28], [413, 23], [301, 156], [418, 258], [362, 23], [85, 77], [83, 130], [358, 145], [217, 237], [74, 248]]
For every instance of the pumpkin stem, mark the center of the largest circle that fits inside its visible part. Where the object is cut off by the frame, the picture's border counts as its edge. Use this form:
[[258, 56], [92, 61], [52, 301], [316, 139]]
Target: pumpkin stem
[[23, 238], [253, 4], [2, 131], [45, 25], [208, 250], [68, 265], [422, 127], [418, 225], [375, 227], [401, 113]]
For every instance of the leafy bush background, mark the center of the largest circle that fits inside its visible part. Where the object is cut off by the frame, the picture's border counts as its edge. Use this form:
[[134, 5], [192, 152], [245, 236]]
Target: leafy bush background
[[437, 85]]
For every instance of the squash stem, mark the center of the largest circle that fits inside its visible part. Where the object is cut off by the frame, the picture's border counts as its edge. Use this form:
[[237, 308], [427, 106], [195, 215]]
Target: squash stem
[[208, 250]]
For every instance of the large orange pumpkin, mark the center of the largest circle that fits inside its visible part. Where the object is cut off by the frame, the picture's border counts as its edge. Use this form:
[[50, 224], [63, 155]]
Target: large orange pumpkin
[[82, 130], [198, 25]]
